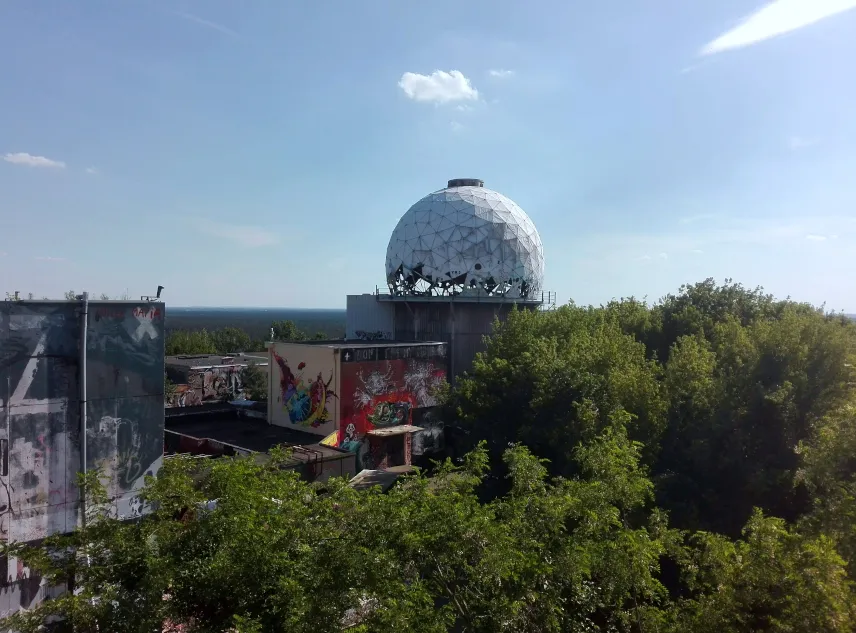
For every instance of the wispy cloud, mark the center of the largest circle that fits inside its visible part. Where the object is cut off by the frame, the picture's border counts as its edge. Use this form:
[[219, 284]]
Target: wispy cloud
[[29, 160], [813, 237], [500, 73], [774, 19], [46, 258], [94, 171], [692, 219], [250, 236], [206, 23], [439, 87], [696, 251], [800, 142], [456, 126]]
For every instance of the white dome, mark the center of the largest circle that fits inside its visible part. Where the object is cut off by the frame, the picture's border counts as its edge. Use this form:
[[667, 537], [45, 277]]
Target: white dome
[[465, 239]]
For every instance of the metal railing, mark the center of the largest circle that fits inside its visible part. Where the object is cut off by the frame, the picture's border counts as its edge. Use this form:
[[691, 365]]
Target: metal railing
[[547, 297]]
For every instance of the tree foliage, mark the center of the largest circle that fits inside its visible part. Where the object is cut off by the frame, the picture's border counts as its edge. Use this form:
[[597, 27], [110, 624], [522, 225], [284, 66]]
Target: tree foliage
[[682, 466], [255, 382], [228, 340], [722, 383], [245, 544]]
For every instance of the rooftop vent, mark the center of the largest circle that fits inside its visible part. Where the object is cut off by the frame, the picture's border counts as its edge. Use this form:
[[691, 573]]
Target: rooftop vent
[[465, 182]]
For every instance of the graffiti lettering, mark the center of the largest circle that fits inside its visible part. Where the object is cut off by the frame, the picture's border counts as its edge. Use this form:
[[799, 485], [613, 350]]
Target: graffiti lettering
[[147, 313]]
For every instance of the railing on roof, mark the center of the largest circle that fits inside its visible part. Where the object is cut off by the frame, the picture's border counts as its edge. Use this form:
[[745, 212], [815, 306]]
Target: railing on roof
[[547, 297]]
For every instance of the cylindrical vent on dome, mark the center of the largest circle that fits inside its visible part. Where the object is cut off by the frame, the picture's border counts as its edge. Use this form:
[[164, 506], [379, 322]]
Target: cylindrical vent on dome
[[465, 182]]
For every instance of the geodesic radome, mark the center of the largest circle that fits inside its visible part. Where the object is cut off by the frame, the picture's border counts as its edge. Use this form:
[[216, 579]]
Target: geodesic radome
[[465, 239]]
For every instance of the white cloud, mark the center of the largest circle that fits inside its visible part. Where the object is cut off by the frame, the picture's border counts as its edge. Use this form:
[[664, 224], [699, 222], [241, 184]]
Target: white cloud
[[815, 238], [663, 256], [697, 251], [92, 170], [456, 126], [439, 87], [240, 234], [774, 19], [23, 158], [501, 74], [464, 108], [49, 259], [206, 23]]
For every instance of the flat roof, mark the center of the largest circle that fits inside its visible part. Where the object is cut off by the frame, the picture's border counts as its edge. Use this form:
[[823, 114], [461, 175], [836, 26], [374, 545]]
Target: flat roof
[[215, 360], [229, 427], [354, 343], [401, 429]]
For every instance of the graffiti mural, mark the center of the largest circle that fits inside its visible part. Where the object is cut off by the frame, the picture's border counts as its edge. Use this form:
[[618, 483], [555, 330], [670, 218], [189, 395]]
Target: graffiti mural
[[40, 402], [388, 392], [308, 401], [217, 384]]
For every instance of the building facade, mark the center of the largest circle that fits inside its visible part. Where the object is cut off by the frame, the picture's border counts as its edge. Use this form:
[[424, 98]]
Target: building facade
[[345, 390], [61, 362]]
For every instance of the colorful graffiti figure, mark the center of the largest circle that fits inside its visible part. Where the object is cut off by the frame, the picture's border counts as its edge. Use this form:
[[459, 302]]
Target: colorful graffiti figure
[[389, 414], [306, 403]]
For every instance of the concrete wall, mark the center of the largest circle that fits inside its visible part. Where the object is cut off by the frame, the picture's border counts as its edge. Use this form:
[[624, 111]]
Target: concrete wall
[[461, 324], [304, 388], [368, 319], [40, 438]]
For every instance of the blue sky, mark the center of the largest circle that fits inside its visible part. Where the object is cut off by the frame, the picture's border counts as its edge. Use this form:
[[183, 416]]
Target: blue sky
[[260, 153]]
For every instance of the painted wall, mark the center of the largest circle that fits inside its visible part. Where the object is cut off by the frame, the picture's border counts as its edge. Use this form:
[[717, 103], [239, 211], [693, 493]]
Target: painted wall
[[387, 386], [40, 425], [304, 388]]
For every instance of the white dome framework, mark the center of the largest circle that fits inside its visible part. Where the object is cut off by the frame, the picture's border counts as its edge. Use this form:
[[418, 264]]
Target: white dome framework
[[465, 240]]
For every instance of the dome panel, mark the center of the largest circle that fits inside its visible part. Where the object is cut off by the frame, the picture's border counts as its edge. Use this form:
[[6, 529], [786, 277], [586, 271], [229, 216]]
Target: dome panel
[[464, 237]]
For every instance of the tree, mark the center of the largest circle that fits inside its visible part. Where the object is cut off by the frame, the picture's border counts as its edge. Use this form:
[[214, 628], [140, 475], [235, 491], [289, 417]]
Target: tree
[[548, 379], [255, 382], [188, 342], [286, 330], [169, 389], [231, 340], [243, 543]]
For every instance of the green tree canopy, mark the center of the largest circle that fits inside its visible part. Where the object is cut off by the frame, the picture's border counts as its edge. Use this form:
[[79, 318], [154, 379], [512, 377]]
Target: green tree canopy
[[244, 544]]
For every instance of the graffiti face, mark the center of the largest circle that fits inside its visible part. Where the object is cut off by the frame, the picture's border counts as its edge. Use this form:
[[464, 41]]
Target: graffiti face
[[306, 401], [389, 414]]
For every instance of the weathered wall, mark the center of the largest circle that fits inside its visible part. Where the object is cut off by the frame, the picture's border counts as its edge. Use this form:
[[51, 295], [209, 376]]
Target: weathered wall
[[304, 393], [462, 324], [387, 386], [216, 384], [366, 318], [40, 408]]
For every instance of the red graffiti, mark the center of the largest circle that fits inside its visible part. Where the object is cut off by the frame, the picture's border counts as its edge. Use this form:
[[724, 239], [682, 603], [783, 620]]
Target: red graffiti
[[147, 313]]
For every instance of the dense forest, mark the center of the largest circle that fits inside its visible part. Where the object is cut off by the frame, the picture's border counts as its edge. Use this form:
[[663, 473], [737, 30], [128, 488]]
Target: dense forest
[[231, 339], [683, 466], [255, 322]]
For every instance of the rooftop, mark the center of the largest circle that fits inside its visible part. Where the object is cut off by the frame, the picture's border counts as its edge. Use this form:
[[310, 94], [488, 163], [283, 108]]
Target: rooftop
[[355, 343], [215, 360], [225, 424]]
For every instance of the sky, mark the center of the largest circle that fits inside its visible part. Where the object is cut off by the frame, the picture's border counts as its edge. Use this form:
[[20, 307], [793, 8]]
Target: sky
[[260, 153]]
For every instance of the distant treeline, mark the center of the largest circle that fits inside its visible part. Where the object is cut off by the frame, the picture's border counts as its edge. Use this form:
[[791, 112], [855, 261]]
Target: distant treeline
[[231, 339], [256, 323]]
